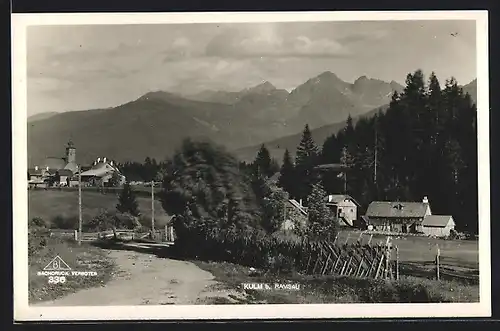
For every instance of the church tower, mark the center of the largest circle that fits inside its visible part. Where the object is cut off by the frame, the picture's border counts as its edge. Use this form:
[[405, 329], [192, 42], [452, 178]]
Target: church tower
[[70, 152]]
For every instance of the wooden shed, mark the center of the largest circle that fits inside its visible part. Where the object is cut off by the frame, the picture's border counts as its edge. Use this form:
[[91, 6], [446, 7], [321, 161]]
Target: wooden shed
[[438, 225]]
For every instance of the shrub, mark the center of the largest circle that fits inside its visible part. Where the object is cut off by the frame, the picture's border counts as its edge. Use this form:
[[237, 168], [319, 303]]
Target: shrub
[[112, 221], [127, 201], [37, 235], [66, 223], [321, 222]]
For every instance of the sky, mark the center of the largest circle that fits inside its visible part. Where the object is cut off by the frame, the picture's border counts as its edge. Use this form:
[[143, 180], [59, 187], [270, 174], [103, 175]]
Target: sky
[[98, 66]]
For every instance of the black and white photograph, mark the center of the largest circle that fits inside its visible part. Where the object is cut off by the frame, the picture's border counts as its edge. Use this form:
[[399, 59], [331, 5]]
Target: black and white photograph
[[197, 165]]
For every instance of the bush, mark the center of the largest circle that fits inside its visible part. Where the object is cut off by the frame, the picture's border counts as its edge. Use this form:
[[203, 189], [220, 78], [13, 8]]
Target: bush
[[65, 223], [37, 235], [112, 221]]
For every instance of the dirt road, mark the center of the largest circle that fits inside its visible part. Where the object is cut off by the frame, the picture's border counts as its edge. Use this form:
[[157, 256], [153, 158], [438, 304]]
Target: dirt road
[[145, 279]]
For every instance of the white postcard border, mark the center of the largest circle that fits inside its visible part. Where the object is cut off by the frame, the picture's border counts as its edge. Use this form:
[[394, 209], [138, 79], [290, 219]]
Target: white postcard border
[[24, 312]]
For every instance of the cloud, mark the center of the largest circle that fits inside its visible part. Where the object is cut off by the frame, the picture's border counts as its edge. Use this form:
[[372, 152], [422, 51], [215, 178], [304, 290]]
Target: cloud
[[269, 42]]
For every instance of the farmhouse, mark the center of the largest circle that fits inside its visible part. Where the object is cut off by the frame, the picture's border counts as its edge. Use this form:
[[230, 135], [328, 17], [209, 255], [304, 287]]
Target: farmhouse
[[37, 176], [404, 217], [438, 225], [344, 207], [101, 172]]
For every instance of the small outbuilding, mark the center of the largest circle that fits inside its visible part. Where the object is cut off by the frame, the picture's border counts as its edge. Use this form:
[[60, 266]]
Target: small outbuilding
[[344, 207], [438, 225]]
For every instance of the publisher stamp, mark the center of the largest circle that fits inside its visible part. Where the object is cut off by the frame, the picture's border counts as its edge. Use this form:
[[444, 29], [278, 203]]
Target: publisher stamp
[[57, 271]]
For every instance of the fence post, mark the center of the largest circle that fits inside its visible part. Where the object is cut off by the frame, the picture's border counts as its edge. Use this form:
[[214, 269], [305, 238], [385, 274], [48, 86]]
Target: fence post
[[387, 257], [75, 235], [370, 240], [359, 238], [397, 262], [438, 253]]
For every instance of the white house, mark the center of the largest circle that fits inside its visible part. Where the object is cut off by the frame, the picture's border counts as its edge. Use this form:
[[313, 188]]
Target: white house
[[344, 207]]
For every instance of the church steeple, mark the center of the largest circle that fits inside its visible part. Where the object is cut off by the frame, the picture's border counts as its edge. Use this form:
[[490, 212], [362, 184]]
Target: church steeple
[[70, 152]]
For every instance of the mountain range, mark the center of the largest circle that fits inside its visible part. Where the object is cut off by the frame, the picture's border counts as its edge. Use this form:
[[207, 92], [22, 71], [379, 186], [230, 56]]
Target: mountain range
[[278, 146], [155, 124]]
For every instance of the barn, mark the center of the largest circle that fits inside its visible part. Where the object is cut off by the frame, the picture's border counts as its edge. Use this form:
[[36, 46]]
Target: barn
[[398, 216], [438, 225]]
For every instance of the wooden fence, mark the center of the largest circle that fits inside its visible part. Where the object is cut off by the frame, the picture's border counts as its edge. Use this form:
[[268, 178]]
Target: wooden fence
[[355, 260], [165, 235]]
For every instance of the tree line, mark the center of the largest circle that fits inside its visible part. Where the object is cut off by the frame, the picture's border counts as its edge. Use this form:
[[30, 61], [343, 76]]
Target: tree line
[[423, 144], [146, 171]]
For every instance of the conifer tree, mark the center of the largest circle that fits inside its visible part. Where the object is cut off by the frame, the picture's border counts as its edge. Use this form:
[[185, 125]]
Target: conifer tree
[[321, 222], [305, 161], [127, 202], [287, 175], [263, 164]]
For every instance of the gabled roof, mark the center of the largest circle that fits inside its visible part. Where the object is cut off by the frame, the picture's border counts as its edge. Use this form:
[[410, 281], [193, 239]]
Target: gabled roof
[[437, 220], [100, 169], [396, 209], [71, 166], [338, 198]]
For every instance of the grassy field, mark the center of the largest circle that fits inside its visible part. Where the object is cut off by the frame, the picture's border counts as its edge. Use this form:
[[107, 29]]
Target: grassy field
[[78, 258], [48, 204], [332, 289], [458, 258]]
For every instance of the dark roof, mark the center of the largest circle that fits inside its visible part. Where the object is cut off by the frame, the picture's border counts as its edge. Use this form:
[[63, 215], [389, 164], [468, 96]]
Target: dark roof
[[65, 172], [396, 209], [338, 198], [437, 220]]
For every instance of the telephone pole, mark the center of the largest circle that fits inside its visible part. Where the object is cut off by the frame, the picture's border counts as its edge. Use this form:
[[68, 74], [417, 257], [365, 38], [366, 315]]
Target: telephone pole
[[375, 164], [152, 209], [79, 205]]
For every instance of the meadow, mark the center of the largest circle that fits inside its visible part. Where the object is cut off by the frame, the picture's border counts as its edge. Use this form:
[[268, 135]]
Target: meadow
[[458, 258], [48, 204]]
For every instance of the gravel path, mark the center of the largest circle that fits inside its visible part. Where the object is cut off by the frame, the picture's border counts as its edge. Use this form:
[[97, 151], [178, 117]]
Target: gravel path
[[145, 279]]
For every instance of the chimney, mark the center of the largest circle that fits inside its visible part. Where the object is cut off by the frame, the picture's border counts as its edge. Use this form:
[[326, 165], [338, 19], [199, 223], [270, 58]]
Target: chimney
[[300, 202], [425, 200], [98, 159], [47, 168], [36, 168], [104, 160]]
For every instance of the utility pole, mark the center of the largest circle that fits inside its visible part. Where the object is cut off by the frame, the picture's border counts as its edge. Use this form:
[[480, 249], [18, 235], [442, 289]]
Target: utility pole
[[152, 209], [375, 164], [79, 205], [345, 182]]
